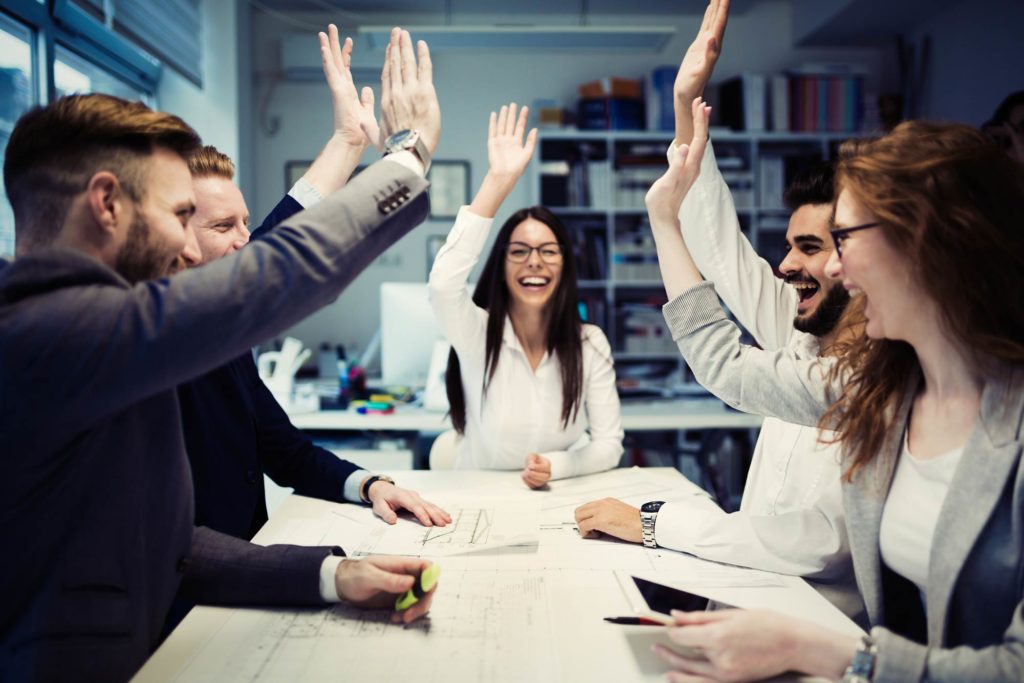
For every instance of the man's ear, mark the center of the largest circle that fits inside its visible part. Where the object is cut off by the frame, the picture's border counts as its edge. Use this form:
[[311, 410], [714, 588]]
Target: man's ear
[[107, 202]]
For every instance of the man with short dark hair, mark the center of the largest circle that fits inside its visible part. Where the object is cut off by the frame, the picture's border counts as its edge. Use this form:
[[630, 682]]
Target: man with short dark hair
[[791, 518], [95, 493]]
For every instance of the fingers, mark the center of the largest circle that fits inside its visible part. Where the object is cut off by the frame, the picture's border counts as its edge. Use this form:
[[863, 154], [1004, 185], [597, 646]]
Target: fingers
[[720, 19], [531, 142], [502, 118], [399, 564], [704, 617], [425, 67], [701, 116], [384, 511], [521, 123], [386, 580], [709, 16], [420, 609], [492, 126], [395, 59], [408, 58], [684, 664], [510, 123], [440, 517], [366, 97]]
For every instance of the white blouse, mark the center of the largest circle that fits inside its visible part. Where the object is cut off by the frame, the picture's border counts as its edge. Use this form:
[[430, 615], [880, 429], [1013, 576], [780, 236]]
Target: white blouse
[[522, 410], [911, 512]]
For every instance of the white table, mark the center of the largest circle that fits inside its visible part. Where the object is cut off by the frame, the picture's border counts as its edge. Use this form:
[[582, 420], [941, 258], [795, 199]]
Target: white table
[[465, 636], [701, 413]]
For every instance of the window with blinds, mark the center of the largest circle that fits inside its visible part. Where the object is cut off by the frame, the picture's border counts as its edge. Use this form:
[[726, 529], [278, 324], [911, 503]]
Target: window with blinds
[[170, 29]]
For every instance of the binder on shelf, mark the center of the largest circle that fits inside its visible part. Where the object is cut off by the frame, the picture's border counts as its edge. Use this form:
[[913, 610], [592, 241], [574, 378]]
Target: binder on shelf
[[742, 102], [659, 98], [779, 93]]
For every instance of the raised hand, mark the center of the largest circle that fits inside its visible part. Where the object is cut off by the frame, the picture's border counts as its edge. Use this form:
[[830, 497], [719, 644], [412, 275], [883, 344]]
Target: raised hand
[[537, 471], [698, 63], [408, 99], [354, 119], [507, 154], [667, 193]]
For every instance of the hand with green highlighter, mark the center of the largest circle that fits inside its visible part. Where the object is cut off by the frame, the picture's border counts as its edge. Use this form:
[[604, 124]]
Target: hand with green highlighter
[[381, 582]]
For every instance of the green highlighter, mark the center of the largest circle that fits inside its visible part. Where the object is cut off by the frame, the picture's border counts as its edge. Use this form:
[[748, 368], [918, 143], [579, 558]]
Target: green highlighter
[[424, 583]]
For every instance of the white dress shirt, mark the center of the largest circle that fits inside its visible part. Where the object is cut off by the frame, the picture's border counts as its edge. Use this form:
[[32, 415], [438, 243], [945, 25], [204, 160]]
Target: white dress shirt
[[522, 410], [791, 517]]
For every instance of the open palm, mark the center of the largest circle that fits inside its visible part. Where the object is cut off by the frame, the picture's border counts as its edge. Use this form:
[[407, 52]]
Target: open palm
[[354, 119], [507, 153], [667, 193], [699, 60]]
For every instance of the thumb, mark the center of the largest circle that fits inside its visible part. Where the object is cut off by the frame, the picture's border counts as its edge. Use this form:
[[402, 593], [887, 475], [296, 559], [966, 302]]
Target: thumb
[[366, 97]]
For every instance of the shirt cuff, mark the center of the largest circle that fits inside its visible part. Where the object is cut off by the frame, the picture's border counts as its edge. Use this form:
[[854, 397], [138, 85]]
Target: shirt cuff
[[695, 308], [328, 586], [305, 194], [351, 489], [561, 464], [679, 522], [409, 160]]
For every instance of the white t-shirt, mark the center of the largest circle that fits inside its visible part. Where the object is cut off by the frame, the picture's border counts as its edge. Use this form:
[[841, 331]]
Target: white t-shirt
[[911, 511]]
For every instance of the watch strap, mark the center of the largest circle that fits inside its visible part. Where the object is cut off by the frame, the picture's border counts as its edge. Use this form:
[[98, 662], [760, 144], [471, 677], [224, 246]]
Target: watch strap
[[364, 492], [862, 666]]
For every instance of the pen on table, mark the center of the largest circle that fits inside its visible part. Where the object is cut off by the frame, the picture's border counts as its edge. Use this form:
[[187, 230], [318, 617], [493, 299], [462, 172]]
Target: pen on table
[[634, 621]]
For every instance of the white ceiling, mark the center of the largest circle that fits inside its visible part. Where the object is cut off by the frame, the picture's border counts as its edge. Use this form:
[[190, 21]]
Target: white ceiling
[[465, 9]]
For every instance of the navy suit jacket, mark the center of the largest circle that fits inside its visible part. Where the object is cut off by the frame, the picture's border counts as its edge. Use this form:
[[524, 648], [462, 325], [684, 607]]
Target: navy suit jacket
[[235, 432], [96, 507]]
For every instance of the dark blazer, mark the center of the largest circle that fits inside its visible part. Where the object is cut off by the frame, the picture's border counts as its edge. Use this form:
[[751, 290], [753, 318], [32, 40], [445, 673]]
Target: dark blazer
[[235, 432], [96, 514]]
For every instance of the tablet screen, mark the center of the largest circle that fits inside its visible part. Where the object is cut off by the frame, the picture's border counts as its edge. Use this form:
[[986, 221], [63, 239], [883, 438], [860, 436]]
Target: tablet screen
[[664, 599]]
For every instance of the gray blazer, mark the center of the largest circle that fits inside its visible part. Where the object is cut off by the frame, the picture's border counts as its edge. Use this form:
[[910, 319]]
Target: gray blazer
[[96, 503], [975, 610]]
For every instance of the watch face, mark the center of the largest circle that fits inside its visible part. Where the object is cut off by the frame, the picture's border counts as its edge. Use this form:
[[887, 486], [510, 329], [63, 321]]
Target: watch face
[[653, 506], [400, 138]]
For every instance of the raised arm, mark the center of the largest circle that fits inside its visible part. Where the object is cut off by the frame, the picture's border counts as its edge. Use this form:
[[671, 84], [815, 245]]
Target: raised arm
[[697, 65], [508, 156], [353, 118]]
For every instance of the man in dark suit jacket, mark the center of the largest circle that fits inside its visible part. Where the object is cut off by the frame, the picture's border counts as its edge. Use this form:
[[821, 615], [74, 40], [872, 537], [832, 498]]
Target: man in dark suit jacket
[[95, 497]]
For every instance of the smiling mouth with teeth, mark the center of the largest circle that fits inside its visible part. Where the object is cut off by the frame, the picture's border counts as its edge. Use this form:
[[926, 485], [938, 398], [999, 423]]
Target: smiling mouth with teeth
[[534, 281], [805, 290]]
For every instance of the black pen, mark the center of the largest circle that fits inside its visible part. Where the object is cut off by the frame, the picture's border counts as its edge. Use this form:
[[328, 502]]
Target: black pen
[[634, 621]]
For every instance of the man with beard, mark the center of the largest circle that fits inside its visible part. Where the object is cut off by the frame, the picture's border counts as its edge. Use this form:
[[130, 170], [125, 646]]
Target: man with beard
[[791, 517], [95, 499]]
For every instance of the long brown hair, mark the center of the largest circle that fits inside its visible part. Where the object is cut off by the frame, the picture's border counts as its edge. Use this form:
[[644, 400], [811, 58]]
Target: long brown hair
[[564, 329], [952, 204]]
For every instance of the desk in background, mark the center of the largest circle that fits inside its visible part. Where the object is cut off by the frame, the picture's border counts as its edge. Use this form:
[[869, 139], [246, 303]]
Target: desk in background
[[522, 616]]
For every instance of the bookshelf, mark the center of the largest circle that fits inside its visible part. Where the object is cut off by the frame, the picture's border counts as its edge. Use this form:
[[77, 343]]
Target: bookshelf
[[595, 182]]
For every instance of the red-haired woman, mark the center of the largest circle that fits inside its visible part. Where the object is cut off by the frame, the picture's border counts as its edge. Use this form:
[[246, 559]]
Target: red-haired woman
[[928, 407]]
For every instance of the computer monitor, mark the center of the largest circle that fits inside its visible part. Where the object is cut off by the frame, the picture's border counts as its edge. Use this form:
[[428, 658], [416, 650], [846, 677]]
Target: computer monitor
[[408, 332]]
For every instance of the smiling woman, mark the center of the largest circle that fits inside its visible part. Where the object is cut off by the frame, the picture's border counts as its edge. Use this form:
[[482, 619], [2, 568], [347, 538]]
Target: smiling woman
[[530, 386]]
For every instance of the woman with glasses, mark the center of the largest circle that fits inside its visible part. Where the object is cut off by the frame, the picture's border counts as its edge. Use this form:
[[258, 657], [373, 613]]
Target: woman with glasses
[[928, 407], [530, 386]]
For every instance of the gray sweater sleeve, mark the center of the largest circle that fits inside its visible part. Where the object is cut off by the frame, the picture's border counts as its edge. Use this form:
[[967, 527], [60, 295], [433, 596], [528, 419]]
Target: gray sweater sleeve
[[775, 384], [901, 660]]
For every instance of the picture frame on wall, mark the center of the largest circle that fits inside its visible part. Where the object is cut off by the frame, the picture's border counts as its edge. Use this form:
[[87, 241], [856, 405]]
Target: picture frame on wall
[[449, 188], [293, 170], [434, 244]]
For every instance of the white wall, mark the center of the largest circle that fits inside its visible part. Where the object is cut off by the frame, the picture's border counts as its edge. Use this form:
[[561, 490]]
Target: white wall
[[213, 109], [977, 59], [469, 87]]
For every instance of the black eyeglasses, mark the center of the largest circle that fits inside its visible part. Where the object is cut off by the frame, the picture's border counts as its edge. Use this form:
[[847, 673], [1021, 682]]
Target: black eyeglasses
[[519, 252], [839, 235]]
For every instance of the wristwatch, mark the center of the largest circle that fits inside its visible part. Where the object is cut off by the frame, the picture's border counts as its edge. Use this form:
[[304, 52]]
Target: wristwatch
[[648, 515], [862, 667], [408, 139], [364, 492]]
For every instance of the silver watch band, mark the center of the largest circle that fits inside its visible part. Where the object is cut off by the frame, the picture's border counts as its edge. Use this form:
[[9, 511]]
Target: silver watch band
[[647, 521], [862, 666]]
